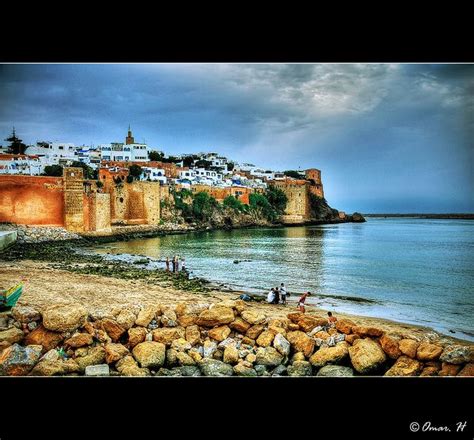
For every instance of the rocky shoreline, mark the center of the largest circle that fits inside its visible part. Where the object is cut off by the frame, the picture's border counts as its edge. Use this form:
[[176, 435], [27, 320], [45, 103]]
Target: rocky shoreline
[[228, 338]]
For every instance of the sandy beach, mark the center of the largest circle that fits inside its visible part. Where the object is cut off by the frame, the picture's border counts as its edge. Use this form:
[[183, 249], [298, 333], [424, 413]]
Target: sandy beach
[[45, 286]]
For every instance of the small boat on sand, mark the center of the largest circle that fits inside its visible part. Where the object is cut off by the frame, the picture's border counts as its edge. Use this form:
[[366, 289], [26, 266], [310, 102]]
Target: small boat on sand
[[9, 297]]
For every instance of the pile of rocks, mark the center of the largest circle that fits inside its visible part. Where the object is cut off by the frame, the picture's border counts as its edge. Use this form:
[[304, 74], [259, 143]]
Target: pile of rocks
[[34, 234], [223, 339]]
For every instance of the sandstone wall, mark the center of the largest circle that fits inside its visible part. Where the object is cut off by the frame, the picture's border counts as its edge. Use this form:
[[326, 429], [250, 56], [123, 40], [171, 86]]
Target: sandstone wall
[[32, 200], [297, 206]]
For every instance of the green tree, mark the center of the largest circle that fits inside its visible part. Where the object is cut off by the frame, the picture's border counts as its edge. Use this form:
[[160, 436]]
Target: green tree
[[89, 173], [203, 206], [232, 202], [16, 144], [230, 166], [277, 199], [135, 171], [260, 204], [156, 156], [53, 170]]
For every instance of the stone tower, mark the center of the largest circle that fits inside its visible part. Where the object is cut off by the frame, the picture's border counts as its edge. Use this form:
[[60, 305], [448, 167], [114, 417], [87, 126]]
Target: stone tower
[[316, 185], [129, 139]]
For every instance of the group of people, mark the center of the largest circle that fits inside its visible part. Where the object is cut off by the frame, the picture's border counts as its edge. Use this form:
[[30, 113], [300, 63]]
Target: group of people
[[277, 295], [176, 263]]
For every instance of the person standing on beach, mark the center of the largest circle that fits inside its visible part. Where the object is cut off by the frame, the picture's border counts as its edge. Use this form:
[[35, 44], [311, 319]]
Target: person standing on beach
[[173, 262], [277, 296], [183, 266], [167, 264], [176, 264], [302, 301], [283, 293]]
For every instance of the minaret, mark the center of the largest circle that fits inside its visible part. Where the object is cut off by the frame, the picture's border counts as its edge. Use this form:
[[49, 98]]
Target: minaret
[[129, 139]]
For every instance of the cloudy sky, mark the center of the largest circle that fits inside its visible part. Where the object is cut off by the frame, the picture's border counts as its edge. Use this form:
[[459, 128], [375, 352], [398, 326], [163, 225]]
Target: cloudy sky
[[387, 137]]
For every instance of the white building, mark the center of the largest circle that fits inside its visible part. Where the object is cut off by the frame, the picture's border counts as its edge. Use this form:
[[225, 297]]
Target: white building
[[20, 164], [53, 153], [154, 174], [201, 175]]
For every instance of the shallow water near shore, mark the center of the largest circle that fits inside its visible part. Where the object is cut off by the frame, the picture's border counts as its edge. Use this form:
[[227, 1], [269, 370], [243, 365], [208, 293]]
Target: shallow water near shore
[[418, 271]]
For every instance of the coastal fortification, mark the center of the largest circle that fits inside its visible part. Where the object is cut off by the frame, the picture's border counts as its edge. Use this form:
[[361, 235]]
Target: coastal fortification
[[76, 204]]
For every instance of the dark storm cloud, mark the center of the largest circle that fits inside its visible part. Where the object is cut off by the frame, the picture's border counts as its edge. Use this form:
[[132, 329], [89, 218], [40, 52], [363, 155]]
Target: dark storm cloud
[[385, 136]]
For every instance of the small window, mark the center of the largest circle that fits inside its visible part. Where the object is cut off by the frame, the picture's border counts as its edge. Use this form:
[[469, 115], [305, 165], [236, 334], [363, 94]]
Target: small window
[[121, 199]]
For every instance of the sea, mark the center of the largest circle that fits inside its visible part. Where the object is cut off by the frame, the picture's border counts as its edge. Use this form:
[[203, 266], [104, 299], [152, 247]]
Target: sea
[[411, 270]]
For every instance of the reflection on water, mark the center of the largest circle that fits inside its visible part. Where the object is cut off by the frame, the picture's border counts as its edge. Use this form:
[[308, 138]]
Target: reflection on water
[[412, 270]]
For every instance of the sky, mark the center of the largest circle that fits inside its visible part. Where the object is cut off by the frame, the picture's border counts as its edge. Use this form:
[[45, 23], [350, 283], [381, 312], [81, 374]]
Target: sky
[[387, 137]]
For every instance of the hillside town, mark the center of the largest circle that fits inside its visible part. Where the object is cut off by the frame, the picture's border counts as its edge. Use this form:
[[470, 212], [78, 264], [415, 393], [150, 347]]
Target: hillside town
[[204, 168]]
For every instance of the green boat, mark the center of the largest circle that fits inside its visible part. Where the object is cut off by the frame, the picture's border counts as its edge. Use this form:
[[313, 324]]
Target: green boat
[[8, 298]]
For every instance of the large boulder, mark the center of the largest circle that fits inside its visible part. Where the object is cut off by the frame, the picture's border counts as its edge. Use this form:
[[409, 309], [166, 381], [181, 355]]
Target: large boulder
[[428, 352], [335, 371], [300, 368], [192, 308], [330, 355], [268, 356], [136, 335], [265, 338], [209, 348], [253, 317], [79, 340], [57, 367], [181, 345], [282, 344], [366, 355], [345, 326], [405, 366], [111, 327], [390, 346], [300, 341], [41, 336], [64, 317], [308, 322], [145, 316], [449, 369], [90, 356], [25, 314], [193, 335], [294, 317], [215, 316], [184, 359], [128, 367], [115, 352], [240, 325], [19, 361], [126, 318], [244, 369], [169, 318], [231, 355], [468, 370], [186, 320], [213, 367], [167, 335], [458, 354], [10, 336], [254, 331], [97, 370], [408, 347], [364, 332], [219, 333], [150, 354]]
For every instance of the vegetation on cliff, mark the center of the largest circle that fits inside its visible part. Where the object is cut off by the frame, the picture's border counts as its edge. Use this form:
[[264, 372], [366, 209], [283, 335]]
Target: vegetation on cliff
[[202, 208]]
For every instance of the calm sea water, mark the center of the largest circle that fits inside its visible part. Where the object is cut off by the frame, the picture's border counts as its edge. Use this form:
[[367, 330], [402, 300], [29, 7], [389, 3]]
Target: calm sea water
[[418, 271]]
